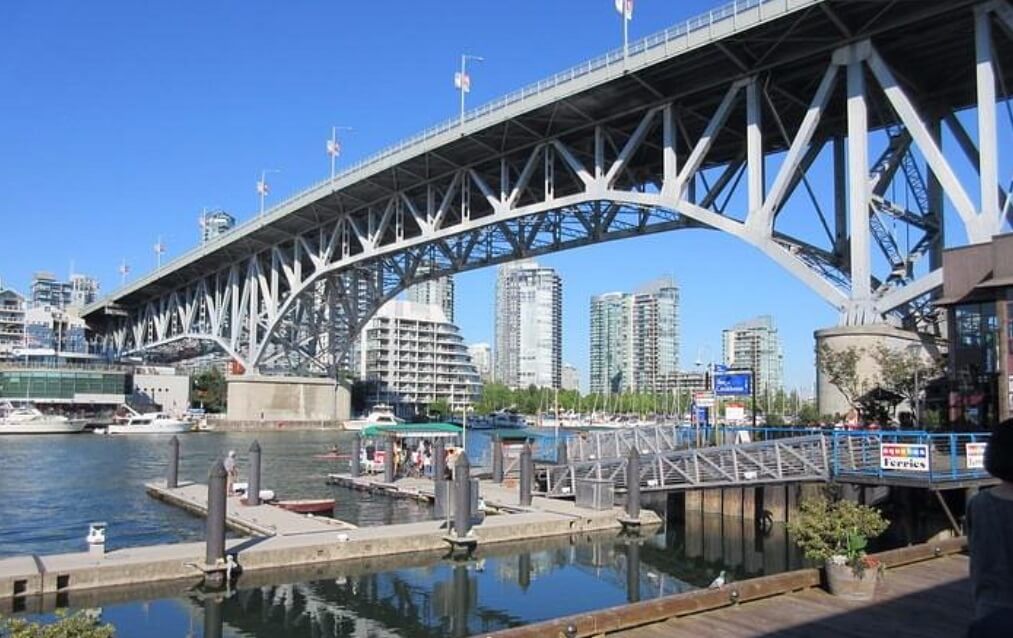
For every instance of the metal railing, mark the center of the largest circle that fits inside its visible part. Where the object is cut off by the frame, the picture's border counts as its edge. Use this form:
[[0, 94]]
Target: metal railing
[[914, 456], [673, 40], [801, 458]]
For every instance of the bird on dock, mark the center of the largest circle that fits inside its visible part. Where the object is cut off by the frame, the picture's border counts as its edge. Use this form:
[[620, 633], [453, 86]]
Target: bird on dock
[[718, 582]]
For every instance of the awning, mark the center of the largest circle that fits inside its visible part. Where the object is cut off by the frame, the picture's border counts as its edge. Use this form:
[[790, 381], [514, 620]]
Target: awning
[[414, 430]]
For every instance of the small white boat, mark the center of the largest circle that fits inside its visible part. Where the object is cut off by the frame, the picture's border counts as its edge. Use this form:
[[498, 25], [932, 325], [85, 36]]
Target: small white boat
[[28, 420], [381, 415], [150, 423]]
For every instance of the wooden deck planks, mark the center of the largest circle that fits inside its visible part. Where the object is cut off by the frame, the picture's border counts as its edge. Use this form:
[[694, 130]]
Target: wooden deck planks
[[924, 600]]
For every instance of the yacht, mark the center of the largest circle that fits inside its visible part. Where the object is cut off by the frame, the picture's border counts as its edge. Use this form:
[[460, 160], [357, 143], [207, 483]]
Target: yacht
[[150, 423], [507, 419], [380, 415], [28, 420]]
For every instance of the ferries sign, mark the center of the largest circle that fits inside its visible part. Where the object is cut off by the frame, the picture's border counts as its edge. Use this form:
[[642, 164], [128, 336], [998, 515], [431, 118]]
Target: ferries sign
[[904, 456]]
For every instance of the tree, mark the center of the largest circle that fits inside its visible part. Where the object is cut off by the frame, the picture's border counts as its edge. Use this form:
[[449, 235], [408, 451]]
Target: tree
[[841, 368], [209, 391], [898, 370], [439, 408]]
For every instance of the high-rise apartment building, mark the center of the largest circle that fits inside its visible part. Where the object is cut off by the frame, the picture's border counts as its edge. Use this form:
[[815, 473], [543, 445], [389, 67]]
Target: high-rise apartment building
[[481, 356], [436, 292], [755, 345], [529, 326], [417, 357], [215, 224], [571, 377], [12, 322], [46, 290], [635, 339]]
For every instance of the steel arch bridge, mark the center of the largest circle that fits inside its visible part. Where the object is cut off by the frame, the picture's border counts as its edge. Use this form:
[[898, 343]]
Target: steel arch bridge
[[717, 123]]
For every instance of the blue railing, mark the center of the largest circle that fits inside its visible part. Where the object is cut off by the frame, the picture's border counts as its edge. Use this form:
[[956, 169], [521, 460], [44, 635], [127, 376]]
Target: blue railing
[[910, 455]]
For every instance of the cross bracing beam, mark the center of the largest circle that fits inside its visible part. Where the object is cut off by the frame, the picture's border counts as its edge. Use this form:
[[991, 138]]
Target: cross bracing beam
[[304, 287]]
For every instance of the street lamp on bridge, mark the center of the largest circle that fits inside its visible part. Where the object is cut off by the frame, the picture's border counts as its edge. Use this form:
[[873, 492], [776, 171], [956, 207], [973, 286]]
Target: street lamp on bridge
[[625, 9], [159, 248], [334, 148], [463, 81], [262, 187]]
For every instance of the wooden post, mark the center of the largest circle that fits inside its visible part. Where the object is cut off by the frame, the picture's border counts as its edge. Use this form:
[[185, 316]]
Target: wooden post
[[749, 503], [712, 501], [774, 502], [731, 502]]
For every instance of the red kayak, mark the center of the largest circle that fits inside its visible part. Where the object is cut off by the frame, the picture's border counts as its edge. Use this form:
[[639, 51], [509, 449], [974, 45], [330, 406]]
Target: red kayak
[[308, 506], [331, 456]]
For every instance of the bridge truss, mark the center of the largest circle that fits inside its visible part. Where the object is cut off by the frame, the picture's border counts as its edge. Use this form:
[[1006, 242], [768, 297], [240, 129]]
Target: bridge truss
[[720, 137]]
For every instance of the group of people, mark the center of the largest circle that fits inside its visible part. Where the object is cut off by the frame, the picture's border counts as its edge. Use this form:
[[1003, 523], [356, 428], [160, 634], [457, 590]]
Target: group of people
[[412, 457]]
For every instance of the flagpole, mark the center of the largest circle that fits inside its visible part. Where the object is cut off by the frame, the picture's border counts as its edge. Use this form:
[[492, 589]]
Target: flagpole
[[334, 149], [464, 59], [626, 32]]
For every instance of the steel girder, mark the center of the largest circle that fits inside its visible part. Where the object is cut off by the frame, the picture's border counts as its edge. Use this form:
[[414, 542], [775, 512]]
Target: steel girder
[[297, 303]]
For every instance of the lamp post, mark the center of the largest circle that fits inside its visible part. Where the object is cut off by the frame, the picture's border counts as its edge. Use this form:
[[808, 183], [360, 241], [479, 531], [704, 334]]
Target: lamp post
[[463, 81], [625, 9], [915, 350], [159, 248], [262, 187], [334, 148]]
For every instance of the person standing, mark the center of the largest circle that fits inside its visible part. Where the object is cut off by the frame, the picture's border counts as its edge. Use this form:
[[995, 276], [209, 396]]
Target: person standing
[[990, 540], [231, 472]]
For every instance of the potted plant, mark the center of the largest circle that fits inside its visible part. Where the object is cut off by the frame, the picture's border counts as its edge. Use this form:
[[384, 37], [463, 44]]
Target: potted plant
[[836, 534]]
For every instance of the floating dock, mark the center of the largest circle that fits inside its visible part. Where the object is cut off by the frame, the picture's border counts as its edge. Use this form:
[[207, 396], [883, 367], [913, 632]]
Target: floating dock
[[285, 539]]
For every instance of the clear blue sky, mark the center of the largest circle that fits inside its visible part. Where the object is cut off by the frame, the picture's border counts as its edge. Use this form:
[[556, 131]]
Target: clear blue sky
[[121, 120]]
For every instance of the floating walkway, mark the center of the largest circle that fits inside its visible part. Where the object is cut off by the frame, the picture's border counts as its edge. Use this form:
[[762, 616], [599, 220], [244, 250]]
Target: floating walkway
[[285, 539], [257, 520]]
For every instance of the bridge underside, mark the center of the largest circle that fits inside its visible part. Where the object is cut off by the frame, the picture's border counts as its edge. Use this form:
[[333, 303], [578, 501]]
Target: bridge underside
[[836, 109]]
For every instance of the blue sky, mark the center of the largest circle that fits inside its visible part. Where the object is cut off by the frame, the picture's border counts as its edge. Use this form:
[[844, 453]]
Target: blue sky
[[121, 120]]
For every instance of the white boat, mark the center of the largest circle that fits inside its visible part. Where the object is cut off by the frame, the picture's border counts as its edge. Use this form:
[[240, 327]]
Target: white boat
[[28, 420], [150, 423], [380, 415], [505, 419]]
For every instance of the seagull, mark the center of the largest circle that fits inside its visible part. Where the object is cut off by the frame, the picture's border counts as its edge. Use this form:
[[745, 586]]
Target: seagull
[[718, 582]]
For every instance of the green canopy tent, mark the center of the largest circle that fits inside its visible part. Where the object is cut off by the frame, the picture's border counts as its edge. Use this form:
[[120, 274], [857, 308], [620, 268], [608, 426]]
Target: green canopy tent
[[413, 431]]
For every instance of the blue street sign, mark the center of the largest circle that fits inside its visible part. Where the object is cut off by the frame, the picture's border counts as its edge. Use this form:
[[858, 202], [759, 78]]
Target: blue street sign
[[733, 384], [701, 415], [720, 369]]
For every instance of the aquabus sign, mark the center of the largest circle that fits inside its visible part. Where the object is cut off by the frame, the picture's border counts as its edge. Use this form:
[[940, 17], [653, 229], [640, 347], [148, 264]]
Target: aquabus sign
[[904, 456]]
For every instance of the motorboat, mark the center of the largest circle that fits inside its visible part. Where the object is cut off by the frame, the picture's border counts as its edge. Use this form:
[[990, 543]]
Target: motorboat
[[150, 423], [380, 415], [505, 419], [28, 420]]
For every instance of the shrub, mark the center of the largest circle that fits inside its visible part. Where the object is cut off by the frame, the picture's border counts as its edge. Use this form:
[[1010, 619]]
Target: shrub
[[76, 625], [828, 530]]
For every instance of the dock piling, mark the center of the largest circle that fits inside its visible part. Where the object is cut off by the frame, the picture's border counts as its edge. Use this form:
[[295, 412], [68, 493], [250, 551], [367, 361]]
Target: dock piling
[[561, 454], [462, 496], [353, 463], [216, 515], [388, 460], [527, 471], [253, 490], [633, 484], [497, 460], [172, 480], [439, 460]]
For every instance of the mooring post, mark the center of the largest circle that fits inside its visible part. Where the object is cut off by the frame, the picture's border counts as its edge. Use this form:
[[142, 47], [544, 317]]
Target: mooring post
[[253, 487], [439, 460], [353, 463], [633, 572], [388, 460], [497, 459], [527, 469], [462, 496], [562, 457], [633, 484], [172, 480], [216, 515]]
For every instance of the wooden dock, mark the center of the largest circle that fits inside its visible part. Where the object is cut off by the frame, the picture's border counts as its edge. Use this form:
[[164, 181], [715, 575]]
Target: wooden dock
[[258, 520], [925, 593]]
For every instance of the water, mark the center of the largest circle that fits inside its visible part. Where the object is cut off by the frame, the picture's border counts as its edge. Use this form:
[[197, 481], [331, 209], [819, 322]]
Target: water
[[52, 487], [428, 596]]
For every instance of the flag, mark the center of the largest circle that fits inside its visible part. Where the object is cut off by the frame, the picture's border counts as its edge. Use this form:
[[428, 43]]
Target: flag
[[628, 8], [159, 247], [124, 269], [333, 148], [462, 81], [262, 188]]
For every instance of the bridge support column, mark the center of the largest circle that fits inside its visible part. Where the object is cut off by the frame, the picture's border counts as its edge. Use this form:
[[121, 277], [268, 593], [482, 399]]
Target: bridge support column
[[774, 502], [731, 502]]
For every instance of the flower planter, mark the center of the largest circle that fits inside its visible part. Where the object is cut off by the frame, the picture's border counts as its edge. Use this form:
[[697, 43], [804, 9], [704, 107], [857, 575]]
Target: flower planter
[[842, 581]]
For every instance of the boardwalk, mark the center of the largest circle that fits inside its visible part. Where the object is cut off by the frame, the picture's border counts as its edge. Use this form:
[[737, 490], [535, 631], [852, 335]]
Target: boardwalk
[[927, 599]]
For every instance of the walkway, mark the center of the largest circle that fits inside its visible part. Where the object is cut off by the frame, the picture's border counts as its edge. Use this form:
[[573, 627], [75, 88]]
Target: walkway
[[924, 600]]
